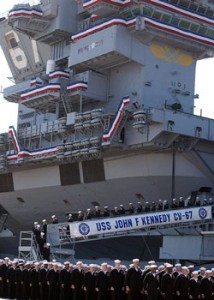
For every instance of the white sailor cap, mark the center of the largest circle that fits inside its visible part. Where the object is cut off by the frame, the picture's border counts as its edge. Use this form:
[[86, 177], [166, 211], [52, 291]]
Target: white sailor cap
[[117, 261], [43, 221], [135, 260], [67, 263], [153, 266], [48, 244], [105, 206], [79, 212], [45, 262], [6, 258], [88, 209], [14, 261], [151, 262], [191, 267], [169, 266], [70, 215], [53, 260], [35, 223], [36, 264], [1, 260], [42, 233], [53, 217], [161, 267], [195, 273], [92, 265], [79, 263], [212, 269], [54, 264], [177, 265], [184, 268], [208, 272], [28, 263], [104, 264], [203, 269]]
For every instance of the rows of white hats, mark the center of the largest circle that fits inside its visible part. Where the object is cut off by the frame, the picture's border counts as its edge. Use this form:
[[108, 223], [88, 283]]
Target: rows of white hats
[[151, 265]]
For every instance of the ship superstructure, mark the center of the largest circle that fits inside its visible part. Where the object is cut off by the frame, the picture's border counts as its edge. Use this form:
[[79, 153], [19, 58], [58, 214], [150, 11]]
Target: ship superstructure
[[106, 105]]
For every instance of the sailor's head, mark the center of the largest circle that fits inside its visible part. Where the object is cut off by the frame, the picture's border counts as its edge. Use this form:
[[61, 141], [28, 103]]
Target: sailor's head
[[37, 265], [79, 265], [178, 267], [153, 268], [195, 274], [169, 268], [185, 270], [136, 262], [117, 263], [208, 273], [67, 265], [202, 271], [104, 267]]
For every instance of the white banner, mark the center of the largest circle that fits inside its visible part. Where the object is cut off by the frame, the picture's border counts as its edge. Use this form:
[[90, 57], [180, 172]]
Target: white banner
[[139, 221]]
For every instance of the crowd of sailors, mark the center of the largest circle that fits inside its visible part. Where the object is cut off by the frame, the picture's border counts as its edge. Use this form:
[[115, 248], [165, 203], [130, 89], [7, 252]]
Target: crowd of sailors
[[56, 281], [132, 208]]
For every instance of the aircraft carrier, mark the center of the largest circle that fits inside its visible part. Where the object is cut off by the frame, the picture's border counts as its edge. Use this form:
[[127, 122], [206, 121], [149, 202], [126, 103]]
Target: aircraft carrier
[[105, 90]]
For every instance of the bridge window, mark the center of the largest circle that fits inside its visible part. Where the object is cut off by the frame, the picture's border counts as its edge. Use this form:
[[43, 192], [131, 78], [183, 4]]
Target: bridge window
[[184, 24], [194, 27], [166, 18], [175, 21], [147, 11], [157, 15], [202, 30], [210, 33]]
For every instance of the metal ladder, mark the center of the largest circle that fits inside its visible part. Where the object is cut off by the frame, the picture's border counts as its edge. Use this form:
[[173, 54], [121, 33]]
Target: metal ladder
[[28, 247], [66, 103]]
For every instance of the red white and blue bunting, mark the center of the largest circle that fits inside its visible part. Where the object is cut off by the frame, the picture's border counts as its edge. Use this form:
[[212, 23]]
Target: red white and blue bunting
[[184, 12], [35, 82], [23, 153], [81, 85], [103, 25], [89, 3], [25, 12], [51, 87], [14, 138], [148, 21], [119, 114], [59, 74]]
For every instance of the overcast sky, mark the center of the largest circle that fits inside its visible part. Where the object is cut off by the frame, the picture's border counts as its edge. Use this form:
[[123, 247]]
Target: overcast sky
[[204, 84]]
